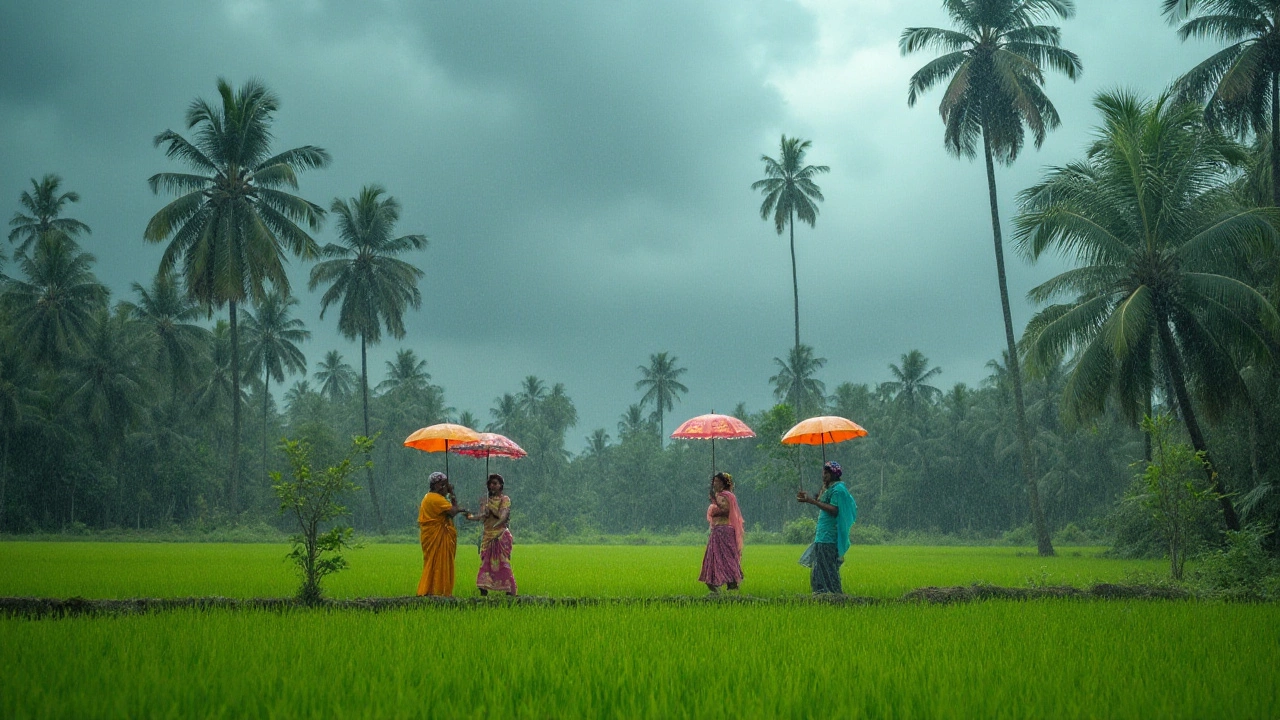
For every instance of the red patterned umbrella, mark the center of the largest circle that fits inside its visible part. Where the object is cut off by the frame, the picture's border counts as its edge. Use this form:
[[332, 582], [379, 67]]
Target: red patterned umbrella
[[490, 444], [712, 427]]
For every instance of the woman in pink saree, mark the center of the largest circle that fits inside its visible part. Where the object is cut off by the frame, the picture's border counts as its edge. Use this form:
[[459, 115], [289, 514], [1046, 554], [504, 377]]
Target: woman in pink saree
[[722, 562], [495, 543]]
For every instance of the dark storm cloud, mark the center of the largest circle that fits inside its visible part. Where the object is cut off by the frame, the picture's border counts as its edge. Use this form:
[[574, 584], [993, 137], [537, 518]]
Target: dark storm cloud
[[582, 170]]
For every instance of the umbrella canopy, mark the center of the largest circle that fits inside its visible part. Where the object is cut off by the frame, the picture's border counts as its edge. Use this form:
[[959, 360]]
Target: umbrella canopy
[[823, 430], [712, 427], [490, 444], [438, 438]]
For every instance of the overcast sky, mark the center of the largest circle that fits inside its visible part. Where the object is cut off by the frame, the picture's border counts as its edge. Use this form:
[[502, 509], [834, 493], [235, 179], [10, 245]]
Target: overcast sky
[[583, 171]]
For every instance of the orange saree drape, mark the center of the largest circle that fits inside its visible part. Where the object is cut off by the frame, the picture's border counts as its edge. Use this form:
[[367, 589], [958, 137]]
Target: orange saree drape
[[439, 539]]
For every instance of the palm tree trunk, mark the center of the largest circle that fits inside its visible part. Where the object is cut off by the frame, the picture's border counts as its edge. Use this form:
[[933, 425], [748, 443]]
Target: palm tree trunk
[[1043, 544], [232, 488], [364, 393], [1174, 367], [795, 289], [266, 393], [4, 474], [1275, 131]]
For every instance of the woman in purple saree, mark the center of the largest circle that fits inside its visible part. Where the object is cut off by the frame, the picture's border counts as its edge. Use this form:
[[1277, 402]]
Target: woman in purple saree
[[722, 562], [495, 542]]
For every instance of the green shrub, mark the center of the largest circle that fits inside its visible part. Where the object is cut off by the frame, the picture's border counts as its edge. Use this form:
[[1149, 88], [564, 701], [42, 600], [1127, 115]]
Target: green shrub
[[861, 534], [1241, 568], [800, 531]]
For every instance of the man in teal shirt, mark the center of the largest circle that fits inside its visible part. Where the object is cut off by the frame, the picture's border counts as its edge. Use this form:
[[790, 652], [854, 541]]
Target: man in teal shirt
[[831, 541]]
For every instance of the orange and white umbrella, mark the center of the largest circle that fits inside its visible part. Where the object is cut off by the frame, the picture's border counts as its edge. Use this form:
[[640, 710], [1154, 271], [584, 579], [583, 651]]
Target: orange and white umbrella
[[438, 438], [822, 430]]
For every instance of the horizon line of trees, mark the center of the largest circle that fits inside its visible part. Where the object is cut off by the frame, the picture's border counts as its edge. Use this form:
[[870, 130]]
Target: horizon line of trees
[[137, 412]]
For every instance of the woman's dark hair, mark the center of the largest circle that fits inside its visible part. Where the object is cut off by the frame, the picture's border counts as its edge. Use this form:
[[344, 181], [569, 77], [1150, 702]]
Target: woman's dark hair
[[501, 483], [725, 478]]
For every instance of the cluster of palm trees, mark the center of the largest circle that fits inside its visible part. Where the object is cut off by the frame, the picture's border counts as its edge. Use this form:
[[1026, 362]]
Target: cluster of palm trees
[[1169, 218]]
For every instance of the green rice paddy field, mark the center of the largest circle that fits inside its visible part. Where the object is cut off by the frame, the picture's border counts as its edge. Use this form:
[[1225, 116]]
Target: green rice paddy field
[[1045, 658]]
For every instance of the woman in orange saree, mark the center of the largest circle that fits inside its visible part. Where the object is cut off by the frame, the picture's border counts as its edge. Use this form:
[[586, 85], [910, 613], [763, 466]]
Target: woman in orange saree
[[438, 536]]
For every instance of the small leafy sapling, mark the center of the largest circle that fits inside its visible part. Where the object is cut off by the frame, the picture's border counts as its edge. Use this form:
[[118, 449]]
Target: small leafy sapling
[[1171, 489], [311, 498]]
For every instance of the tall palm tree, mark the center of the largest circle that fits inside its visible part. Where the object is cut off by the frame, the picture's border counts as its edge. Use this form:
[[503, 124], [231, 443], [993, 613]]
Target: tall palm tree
[[558, 410], [271, 338], [337, 379], [634, 422], [107, 385], [406, 372], [795, 382], [17, 397], [45, 206], [167, 314], [466, 418], [232, 223], [994, 66], [910, 385], [532, 392], [1159, 238], [597, 443], [790, 194], [374, 286], [1240, 84], [506, 414], [660, 381], [52, 310]]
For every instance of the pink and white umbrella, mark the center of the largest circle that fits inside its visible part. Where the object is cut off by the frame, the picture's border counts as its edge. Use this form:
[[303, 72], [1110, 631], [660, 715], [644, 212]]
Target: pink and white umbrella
[[490, 444], [710, 427]]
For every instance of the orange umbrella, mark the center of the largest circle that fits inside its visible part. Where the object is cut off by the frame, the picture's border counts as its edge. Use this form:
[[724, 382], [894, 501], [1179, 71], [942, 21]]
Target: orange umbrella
[[710, 427], [437, 438], [823, 430]]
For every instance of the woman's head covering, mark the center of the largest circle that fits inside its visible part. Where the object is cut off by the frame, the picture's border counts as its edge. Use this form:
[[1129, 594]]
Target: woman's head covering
[[833, 467], [436, 476]]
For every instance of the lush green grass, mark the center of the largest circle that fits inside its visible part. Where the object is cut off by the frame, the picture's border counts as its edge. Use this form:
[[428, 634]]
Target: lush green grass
[[121, 570], [1060, 659]]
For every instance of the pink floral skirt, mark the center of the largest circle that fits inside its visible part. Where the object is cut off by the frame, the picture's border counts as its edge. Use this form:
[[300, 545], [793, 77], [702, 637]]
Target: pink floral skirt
[[495, 565], [722, 562]]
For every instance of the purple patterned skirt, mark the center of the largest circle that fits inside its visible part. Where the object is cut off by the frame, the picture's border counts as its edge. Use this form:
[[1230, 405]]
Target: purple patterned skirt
[[495, 565], [722, 562]]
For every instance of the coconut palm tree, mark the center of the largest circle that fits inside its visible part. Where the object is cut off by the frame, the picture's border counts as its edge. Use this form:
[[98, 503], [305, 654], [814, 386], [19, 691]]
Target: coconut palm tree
[[373, 286], [660, 381], [994, 65], [634, 423], [532, 392], [795, 383], [232, 224], [271, 338], [910, 385], [17, 397], [506, 414], [337, 379], [790, 194], [167, 315], [45, 205], [108, 388], [406, 372], [1160, 238], [52, 310], [1239, 85]]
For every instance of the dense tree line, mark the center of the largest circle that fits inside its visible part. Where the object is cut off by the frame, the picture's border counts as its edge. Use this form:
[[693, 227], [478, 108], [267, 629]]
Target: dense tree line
[[134, 411]]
